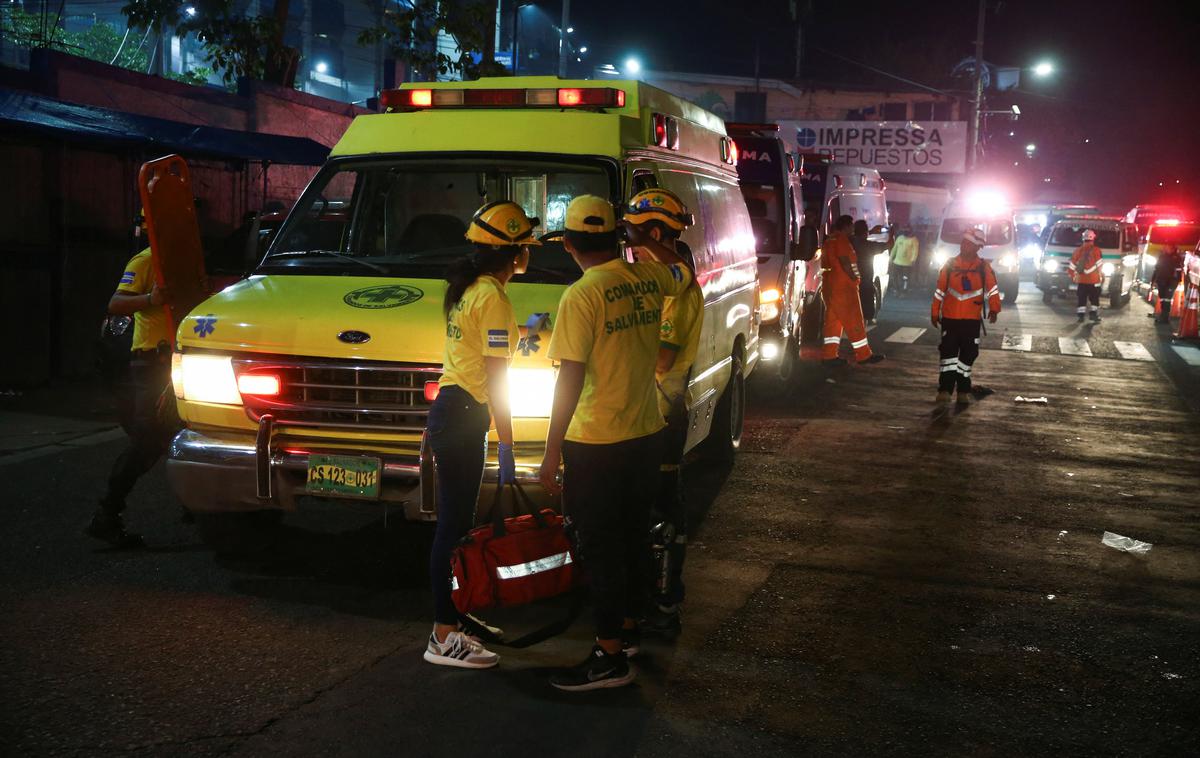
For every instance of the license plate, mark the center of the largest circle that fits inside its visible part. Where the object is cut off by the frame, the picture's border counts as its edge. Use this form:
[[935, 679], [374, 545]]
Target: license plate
[[343, 476]]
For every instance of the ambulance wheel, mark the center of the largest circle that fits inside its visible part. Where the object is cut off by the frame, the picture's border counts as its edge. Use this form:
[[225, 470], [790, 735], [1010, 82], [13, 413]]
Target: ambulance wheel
[[789, 360], [1010, 295], [725, 436], [239, 533], [1047, 297], [812, 321]]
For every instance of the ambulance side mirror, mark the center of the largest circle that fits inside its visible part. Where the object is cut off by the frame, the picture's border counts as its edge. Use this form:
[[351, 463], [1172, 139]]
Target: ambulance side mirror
[[805, 248]]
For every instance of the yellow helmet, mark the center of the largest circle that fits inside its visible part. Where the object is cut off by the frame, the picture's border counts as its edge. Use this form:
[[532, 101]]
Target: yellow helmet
[[502, 224], [659, 205]]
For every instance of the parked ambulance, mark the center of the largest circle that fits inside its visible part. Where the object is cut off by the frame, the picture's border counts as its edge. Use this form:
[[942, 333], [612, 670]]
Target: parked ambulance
[[788, 283], [327, 357]]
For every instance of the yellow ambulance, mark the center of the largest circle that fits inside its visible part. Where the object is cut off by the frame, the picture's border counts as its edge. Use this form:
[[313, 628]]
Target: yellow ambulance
[[314, 375]]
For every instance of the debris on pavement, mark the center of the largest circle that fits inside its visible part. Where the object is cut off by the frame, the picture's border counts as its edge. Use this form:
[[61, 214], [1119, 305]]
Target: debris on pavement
[[1020, 399], [1127, 544]]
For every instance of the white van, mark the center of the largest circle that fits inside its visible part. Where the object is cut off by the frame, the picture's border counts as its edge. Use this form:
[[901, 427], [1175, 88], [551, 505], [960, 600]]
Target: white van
[[1000, 249], [832, 189]]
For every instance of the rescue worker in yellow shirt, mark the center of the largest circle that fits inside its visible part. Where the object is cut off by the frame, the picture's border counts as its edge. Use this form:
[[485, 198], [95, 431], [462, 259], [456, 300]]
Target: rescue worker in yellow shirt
[[138, 295], [481, 334], [661, 215], [605, 423]]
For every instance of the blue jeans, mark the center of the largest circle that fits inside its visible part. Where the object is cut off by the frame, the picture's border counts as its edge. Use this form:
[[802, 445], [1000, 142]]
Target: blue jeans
[[457, 428]]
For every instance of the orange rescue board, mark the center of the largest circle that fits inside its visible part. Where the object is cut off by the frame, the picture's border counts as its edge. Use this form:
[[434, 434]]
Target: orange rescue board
[[175, 252]]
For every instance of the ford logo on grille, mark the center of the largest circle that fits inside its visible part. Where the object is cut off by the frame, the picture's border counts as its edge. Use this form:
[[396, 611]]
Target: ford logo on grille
[[354, 337]]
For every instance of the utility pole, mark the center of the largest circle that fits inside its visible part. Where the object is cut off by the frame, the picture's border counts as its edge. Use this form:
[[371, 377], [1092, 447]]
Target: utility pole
[[977, 103], [562, 39], [799, 47]]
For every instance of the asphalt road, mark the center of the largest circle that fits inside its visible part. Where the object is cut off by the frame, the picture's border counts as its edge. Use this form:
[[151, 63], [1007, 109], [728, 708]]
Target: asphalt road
[[869, 577]]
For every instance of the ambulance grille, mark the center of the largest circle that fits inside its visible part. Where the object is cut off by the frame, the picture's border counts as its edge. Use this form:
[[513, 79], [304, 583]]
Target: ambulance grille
[[361, 395]]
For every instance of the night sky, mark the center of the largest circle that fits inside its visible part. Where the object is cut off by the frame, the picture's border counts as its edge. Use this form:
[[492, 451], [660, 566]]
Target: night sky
[[1126, 81]]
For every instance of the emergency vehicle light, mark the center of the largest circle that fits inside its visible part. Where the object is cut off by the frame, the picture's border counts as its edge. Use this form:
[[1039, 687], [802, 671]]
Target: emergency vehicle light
[[729, 151], [566, 97], [258, 384], [1167, 222], [431, 391]]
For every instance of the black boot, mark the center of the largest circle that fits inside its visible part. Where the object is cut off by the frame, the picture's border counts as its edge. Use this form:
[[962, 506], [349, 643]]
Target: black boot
[[108, 526], [1079, 318], [1164, 316], [1095, 316]]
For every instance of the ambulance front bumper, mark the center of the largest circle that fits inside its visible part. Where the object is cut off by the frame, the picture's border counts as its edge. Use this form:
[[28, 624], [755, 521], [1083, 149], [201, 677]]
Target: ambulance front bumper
[[224, 472]]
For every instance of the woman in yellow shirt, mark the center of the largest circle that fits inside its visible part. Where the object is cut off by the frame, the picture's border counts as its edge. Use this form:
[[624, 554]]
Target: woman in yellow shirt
[[481, 333]]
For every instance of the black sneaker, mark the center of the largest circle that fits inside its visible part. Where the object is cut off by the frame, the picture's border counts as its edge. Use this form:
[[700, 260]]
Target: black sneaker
[[599, 670], [834, 362], [631, 641], [662, 621], [875, 358], [108, 527]]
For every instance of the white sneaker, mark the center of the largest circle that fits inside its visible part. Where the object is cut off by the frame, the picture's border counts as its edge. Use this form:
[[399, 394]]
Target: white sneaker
[[459, 650]]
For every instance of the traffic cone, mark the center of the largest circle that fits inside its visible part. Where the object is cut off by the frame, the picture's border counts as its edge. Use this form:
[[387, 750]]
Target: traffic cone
[[1177, 300], [1188, 327]]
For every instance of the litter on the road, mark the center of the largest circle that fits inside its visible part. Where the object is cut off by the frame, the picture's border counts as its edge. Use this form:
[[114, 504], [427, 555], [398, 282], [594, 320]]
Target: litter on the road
[[1127, 544], [1020, 399]]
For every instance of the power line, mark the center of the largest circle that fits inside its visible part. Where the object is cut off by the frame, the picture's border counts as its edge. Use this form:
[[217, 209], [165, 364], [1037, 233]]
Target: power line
[[882, 72]]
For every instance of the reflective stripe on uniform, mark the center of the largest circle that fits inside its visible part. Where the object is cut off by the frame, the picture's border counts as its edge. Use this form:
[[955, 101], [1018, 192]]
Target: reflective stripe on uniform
[[993, 291], [966, 295], [549, 563], [963, 369], [1092, 268], [861, 343], [949, 365], [832, 340], [938, 295]]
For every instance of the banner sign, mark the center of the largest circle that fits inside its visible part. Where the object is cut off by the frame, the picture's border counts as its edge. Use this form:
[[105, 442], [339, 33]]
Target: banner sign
[[929, 147]]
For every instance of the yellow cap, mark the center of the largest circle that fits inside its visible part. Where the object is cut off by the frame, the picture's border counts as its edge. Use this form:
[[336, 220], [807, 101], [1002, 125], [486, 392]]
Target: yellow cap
[[589, 213]]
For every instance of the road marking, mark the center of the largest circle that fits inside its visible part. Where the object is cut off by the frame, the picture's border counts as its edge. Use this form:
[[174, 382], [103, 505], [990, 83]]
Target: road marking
[[1133, 351], [1022, 342], [1190, 355], [1074, 346], [907, 334]]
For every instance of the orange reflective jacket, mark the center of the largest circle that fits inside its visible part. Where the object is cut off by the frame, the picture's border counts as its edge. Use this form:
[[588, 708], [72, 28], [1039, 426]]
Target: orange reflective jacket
[[962, 288], [1084, 267], [838, 246]]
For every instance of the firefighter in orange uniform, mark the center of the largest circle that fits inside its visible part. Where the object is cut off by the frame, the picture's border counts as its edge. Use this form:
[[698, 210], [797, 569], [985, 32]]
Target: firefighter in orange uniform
[[966, 293], [839, 289], [1084, 269]]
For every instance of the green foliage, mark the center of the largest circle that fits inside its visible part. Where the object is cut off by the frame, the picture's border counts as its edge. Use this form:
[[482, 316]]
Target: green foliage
[[411, 35], [237, 45], [99, 42]]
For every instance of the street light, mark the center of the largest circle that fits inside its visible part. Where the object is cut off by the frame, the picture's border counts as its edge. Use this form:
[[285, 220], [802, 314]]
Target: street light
[[1043, 69], [583, 49], [1030, 147], [322, 67], [633, 66]]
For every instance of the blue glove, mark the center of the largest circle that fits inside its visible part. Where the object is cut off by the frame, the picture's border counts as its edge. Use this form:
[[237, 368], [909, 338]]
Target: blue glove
[[508, 465]]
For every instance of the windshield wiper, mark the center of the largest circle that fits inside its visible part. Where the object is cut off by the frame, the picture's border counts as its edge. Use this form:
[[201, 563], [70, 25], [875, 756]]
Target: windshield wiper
[[329, 254]]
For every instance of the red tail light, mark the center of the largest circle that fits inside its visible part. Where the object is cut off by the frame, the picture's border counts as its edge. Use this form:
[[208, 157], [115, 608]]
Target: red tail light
[[660, 130], [262, 385], [406, 98], [604, 97], [733, 153], [431, 391]]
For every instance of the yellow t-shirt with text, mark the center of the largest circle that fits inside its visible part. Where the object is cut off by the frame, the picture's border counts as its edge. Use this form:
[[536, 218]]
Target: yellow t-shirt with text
[[609, 320], [481, 325], [149, 324], [683, 316]]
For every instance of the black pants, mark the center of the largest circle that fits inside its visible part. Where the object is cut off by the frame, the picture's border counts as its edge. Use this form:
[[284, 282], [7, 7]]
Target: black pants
[[959, 349], [1166, 293], [457, 427], [1087, 293], [670, 507], [607, 493], [149, 375]]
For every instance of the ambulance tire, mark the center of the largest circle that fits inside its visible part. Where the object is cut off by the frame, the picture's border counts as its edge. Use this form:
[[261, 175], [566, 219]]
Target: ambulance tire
[[812, 321], [878, 297], [246, 533], [725, 435], [790, 360], [1047, 297], [1010, 295]]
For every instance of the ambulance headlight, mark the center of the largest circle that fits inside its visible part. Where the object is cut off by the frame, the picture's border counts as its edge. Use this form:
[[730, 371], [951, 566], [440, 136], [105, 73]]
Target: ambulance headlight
[[531, 392], [940, 256], [1108, 269], [1032, 250], [1129, 260], [205, 379], [1008, 261], [768, 304], [1050, 266]]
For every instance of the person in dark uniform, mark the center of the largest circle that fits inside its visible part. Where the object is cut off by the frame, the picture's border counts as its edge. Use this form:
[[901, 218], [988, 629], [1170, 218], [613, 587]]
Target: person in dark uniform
[[1168, 270]]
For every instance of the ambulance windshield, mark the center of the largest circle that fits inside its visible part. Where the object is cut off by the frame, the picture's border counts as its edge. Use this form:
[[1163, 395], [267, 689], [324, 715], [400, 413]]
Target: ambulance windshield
[[408, 218], [997, 232], [1072, 235]]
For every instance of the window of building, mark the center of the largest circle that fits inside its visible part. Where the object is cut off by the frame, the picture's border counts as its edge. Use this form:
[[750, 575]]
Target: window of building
[[943, 111], [894, 111], [923, 111]]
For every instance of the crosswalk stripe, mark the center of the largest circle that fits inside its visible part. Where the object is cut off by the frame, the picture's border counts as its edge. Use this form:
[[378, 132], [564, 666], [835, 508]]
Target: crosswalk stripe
[[1189, 354], [1074, 346], [1133, 351], [1022, 342], [906, 334]]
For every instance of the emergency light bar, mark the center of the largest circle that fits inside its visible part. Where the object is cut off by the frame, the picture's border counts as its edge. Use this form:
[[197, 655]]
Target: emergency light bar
[[563, 97]]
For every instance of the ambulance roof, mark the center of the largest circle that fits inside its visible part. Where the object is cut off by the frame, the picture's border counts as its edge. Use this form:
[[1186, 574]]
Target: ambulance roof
[[502, 119]]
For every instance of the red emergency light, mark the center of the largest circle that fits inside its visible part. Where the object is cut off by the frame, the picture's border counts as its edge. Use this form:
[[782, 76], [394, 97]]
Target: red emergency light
[[431, 391], [506, 97], [261, 385], [1167, 222]]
